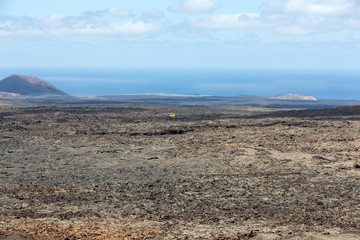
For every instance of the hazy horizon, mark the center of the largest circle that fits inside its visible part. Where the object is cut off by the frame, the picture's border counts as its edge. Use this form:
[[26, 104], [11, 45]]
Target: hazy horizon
[[225, 48], [319, 83]]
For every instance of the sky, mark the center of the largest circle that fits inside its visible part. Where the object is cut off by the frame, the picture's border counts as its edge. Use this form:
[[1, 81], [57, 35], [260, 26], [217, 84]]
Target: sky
[[180, 33]]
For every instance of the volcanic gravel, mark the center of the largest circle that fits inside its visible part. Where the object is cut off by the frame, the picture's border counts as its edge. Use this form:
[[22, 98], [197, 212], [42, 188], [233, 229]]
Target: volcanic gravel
[[130, 172]]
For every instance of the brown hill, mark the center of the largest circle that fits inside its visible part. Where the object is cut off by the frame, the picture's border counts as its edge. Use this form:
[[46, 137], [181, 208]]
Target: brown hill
[[28, 85]]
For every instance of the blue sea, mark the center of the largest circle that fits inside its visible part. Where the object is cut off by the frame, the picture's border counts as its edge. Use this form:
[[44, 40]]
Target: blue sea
[[320, 83]]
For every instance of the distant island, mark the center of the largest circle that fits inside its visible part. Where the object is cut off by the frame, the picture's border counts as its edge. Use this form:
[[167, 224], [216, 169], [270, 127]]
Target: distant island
[[30, 89], [294, 96]]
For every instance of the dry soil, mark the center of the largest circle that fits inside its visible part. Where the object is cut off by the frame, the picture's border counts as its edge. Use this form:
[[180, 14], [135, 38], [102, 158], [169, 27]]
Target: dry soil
[[131, 172]]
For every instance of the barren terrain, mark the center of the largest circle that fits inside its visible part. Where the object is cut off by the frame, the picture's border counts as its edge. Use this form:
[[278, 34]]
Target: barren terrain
[[129, 172]]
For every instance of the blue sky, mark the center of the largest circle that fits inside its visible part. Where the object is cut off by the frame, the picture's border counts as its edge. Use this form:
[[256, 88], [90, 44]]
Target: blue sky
[[180, 33]]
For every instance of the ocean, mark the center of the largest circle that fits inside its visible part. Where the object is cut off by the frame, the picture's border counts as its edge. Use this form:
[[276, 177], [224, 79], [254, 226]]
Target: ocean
[[320, 83]]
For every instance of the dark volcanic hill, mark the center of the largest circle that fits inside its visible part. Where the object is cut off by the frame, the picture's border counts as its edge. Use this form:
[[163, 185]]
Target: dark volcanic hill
[[28, 85]]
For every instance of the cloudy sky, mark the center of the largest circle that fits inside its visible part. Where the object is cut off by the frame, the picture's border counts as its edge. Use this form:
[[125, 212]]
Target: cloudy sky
[[180, 33]]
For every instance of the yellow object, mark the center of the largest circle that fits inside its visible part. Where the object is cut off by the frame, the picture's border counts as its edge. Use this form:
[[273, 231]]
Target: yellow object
[[172, 115]]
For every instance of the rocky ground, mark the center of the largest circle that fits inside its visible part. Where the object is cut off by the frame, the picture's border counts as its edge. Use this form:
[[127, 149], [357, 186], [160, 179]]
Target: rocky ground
[[130, 172]]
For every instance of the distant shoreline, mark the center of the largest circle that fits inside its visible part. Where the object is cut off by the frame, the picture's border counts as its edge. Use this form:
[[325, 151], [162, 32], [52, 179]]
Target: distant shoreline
[[319, 83]]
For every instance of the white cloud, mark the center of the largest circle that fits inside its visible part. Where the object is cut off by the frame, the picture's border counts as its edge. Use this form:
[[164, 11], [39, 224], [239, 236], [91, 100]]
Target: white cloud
[[354, 23], [133, 27], [322, 7], [286, 17], [193, 6], [114, 11], [228, 21], [54, 17], [292, 17], [153, 14], [294, 30], [59, 25], [119, 12], [303, 17], [127, 28], [5, 25]]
